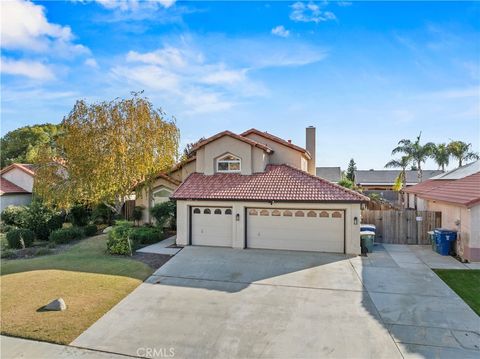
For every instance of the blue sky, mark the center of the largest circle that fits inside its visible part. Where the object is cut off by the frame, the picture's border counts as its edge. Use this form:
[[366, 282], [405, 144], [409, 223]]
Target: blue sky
[[366, 74]]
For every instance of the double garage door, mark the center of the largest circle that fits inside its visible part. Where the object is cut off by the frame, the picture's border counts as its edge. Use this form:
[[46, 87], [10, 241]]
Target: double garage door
[[291, 229]]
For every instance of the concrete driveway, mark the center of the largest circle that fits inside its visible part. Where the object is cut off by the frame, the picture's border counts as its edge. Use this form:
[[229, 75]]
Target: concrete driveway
[[220, 303]]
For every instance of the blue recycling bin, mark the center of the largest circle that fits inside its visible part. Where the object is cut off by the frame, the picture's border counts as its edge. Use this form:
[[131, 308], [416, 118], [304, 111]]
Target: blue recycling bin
[[444, 239]]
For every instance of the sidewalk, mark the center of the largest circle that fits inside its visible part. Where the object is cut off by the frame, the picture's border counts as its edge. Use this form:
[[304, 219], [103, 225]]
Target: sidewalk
[[13, 348], [162, 247]]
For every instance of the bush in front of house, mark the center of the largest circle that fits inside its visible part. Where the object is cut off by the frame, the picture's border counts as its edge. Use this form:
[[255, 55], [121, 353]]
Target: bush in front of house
[[145, 235], [20, 238], [137, 213], [42, 220], [102, 214], [14, 215], [165, 213], [65, 235], [79, 215], [4, 228], [119, 239], [90, 230]]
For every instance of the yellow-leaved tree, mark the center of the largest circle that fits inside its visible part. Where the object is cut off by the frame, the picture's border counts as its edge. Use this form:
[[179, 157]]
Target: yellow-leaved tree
[[104, 150]]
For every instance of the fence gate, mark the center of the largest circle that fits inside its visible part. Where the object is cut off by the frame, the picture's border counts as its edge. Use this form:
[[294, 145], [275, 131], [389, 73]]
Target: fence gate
[[402, 226]]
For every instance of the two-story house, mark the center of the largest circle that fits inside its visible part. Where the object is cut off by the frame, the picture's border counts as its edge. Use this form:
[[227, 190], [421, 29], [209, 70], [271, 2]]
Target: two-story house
[[256, 190]]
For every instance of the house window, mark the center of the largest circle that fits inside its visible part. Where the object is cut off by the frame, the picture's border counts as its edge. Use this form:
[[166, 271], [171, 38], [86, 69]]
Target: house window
[[206, 211], [217, 211], [228, 163], [228, 211], [160, 195]]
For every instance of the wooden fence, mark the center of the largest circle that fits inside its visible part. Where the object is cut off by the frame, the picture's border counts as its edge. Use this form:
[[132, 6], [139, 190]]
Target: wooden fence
[[402, 226], [127, 209]]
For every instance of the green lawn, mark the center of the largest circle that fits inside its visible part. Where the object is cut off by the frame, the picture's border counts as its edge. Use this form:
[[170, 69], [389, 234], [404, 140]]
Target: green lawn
[[89, 280], [466, 283]]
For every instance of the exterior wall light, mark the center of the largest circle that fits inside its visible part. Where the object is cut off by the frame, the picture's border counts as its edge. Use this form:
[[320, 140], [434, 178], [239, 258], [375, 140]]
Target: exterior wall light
[[355, 220], [237, 217]]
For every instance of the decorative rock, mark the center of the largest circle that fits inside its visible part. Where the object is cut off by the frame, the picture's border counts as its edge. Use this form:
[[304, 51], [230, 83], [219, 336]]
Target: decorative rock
[[108, 229], [57, 304]]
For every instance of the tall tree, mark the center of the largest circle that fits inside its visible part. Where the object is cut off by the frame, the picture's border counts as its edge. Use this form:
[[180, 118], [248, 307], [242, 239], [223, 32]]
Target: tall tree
[[22, 144], [415, 152], [401, 180], [441, 155], [352, 167], [105, 150], [461, 151]]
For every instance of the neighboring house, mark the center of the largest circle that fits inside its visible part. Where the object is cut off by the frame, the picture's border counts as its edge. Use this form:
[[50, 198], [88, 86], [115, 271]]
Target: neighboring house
[[332, 174], [16, 185], [456, 194], [382, 181], [256, 190]]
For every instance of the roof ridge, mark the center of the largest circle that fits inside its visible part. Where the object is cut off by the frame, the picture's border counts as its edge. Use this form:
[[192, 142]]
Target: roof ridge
[[233, 135]]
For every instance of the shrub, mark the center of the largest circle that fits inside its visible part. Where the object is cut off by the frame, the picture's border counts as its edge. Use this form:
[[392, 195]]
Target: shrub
[[165, 212], [20, 238], [102, 214], [42, 220], [8, 253], [145, 235], [90, 230], [137, 213], [43, 251], [79, 215], [4, 228], [65, 235], [119, 239], [14, 215]]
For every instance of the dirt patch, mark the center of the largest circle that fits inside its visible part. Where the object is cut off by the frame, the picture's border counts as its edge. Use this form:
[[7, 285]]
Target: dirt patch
[[152, 259]]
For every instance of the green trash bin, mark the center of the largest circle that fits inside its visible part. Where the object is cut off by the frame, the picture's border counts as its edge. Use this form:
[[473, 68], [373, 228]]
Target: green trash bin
[[366, 241], [431, 236]]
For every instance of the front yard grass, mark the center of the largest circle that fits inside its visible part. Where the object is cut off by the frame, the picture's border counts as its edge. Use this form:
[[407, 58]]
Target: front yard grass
[[466, 283], [85, 276]]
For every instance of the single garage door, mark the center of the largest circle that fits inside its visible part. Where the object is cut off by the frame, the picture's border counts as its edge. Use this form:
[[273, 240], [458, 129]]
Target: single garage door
[[296, 229], [211, 226]]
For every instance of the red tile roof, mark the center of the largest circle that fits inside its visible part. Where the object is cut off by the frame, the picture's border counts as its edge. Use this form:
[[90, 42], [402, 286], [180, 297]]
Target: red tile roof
[[8, 187], [426, 186], [234, 135], [25, 167], [277, 183], [464, 191], [276, 139]]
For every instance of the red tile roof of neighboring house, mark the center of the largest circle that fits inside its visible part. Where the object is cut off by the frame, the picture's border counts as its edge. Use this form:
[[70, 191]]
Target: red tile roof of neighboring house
[[464, 191], [277, 183], [25, 167], [234, 135], [276, 139], [8, 187], [426, 186], [169, 178]]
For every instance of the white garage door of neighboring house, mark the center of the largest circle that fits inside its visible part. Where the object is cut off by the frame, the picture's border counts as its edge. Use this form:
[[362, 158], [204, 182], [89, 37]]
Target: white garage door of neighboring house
[[211, 226], [296, 229]]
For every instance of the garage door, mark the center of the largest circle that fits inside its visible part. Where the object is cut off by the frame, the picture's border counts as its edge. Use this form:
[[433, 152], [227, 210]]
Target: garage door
[[296, 229], [212, 226]]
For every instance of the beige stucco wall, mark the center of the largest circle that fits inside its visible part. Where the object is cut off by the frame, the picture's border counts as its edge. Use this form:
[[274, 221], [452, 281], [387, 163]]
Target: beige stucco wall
[[352, 232], [463, 220], [142, 198], [282, 154], [183, 172], [20, 178], [208, 154], [260, 160]]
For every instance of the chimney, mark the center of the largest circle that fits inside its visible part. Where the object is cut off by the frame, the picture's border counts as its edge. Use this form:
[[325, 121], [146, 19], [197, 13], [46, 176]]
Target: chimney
[[311, 148]]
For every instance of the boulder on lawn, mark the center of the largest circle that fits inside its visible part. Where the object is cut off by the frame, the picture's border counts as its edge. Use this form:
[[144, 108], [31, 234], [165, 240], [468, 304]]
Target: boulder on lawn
[[57, 304]]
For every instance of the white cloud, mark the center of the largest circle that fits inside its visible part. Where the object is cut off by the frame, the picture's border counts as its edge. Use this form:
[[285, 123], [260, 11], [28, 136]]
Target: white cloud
[[310, 12], [168, 56], [280, 31], [26, 27], [224, 77], [91, 62], [344, 3], [31, 69], [133, 5]]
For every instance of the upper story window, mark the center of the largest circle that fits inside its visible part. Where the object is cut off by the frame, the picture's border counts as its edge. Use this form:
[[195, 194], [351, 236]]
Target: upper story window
[[229, 163], [161, 195]]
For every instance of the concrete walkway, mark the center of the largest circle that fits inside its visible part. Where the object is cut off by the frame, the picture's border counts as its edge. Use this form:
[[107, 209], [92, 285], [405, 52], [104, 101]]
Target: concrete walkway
[[14, 348], [221, 302], [162, 247]]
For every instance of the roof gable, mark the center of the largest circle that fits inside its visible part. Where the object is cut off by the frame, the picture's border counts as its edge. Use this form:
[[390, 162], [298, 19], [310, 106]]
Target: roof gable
[[25, 167], [277, 140], [8, 187], [277, 183], [235, 136], [389, 176]]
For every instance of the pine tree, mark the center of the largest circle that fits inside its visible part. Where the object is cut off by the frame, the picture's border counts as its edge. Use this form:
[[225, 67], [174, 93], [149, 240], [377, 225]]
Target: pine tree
[[352, 167]]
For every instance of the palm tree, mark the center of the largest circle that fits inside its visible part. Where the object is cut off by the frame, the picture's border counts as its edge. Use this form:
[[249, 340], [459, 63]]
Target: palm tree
[[461, 151], [441, 155], [401, 180], [415, 152]]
